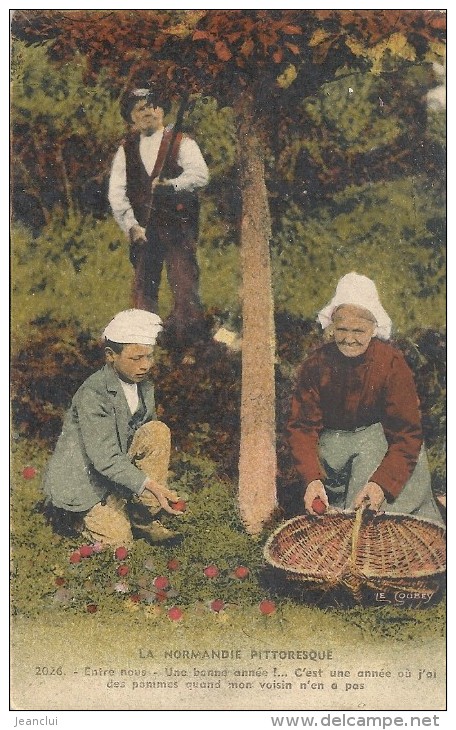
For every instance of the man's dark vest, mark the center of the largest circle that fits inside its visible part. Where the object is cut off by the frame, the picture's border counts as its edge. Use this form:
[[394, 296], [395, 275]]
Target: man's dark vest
[[167, 205]]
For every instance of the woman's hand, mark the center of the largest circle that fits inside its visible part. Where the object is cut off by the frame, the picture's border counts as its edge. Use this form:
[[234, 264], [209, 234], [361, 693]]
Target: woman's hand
[[315, 489], [372, 494]]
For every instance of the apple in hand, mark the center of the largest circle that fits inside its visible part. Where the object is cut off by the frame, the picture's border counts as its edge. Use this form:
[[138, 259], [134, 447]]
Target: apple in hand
[[318, 506], [179, 506]]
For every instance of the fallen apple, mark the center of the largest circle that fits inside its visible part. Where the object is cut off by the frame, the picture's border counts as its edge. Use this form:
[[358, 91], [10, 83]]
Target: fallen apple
[[211, 571], [85, 551], [75, 557], [121, 553], [241, 572], [161, 582], [173, 564], [29, 472], [122, 570], [267, 607], [318, 506], [92, 608], [175, 613], [217, 605], [60, 581]]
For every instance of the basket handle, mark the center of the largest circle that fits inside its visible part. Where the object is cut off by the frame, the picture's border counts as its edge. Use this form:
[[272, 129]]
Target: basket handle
[[359, 512]]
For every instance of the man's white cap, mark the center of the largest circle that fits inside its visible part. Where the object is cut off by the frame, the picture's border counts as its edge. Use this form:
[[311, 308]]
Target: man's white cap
[[360, 291], [134, 326]]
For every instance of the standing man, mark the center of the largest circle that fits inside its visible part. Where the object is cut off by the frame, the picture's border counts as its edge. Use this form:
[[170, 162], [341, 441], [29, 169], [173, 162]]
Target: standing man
[[152, 192]]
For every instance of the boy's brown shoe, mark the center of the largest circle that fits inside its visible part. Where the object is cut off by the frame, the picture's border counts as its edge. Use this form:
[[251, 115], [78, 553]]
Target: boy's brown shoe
[[156, 533]]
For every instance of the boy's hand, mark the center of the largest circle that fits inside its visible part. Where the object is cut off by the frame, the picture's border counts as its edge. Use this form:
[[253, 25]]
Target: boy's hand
[[138, 234], [157, 183], [164, 496]]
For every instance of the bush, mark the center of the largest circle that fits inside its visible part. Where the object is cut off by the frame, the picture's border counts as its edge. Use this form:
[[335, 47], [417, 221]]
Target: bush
[[392, 232], [46, 373], [76, 271]]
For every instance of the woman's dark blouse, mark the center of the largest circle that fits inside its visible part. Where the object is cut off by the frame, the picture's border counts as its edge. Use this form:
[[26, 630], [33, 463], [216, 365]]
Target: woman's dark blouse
[[342, 393]]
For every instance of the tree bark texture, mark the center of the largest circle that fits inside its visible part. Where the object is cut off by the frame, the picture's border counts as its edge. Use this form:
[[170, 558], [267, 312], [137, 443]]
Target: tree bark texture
[[257, 459]]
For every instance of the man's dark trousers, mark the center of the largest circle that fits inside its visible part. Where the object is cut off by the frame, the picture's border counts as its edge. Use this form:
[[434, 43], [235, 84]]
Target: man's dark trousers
[[171, 241]]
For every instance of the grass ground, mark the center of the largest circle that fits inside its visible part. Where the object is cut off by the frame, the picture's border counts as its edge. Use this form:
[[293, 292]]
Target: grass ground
[[79, 643]]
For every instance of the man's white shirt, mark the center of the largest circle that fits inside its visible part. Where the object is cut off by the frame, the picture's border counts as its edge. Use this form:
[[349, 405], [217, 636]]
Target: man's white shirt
[[195, 174]]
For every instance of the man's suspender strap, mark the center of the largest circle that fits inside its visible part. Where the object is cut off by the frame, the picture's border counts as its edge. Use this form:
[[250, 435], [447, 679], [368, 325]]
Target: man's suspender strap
[[163, 152]]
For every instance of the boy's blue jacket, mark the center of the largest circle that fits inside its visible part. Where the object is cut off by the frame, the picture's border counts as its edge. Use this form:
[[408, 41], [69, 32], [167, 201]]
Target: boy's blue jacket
[[90, 459]]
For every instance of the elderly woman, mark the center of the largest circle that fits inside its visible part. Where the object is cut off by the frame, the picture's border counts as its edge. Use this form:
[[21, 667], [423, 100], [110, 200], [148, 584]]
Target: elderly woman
[[355, 426]]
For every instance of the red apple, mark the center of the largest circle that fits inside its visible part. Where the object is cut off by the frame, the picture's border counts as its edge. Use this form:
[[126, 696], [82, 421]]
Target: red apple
[[85, 551], [217, 605], [122, 570], [319, 506], [121, 553], [161, 582], [92, 608], [160, 596], [241, 572], [135, 598], [267, 607], [211, 571], [173, 564], [175, 613], [179, 506], [59, 581], [29, 472], [75, 557]]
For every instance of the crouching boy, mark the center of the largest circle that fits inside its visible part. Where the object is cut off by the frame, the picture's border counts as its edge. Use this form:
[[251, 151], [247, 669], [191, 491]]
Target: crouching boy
[[111, 460]]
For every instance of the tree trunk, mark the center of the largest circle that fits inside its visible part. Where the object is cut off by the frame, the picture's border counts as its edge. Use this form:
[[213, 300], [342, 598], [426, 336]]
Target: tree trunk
[[257, 460]]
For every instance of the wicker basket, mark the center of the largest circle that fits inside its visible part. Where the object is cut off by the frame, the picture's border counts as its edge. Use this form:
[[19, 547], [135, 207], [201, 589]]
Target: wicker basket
[[398, 557]]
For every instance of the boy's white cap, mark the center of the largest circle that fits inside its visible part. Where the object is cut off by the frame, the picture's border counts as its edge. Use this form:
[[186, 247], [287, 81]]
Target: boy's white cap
[[134, 326]]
